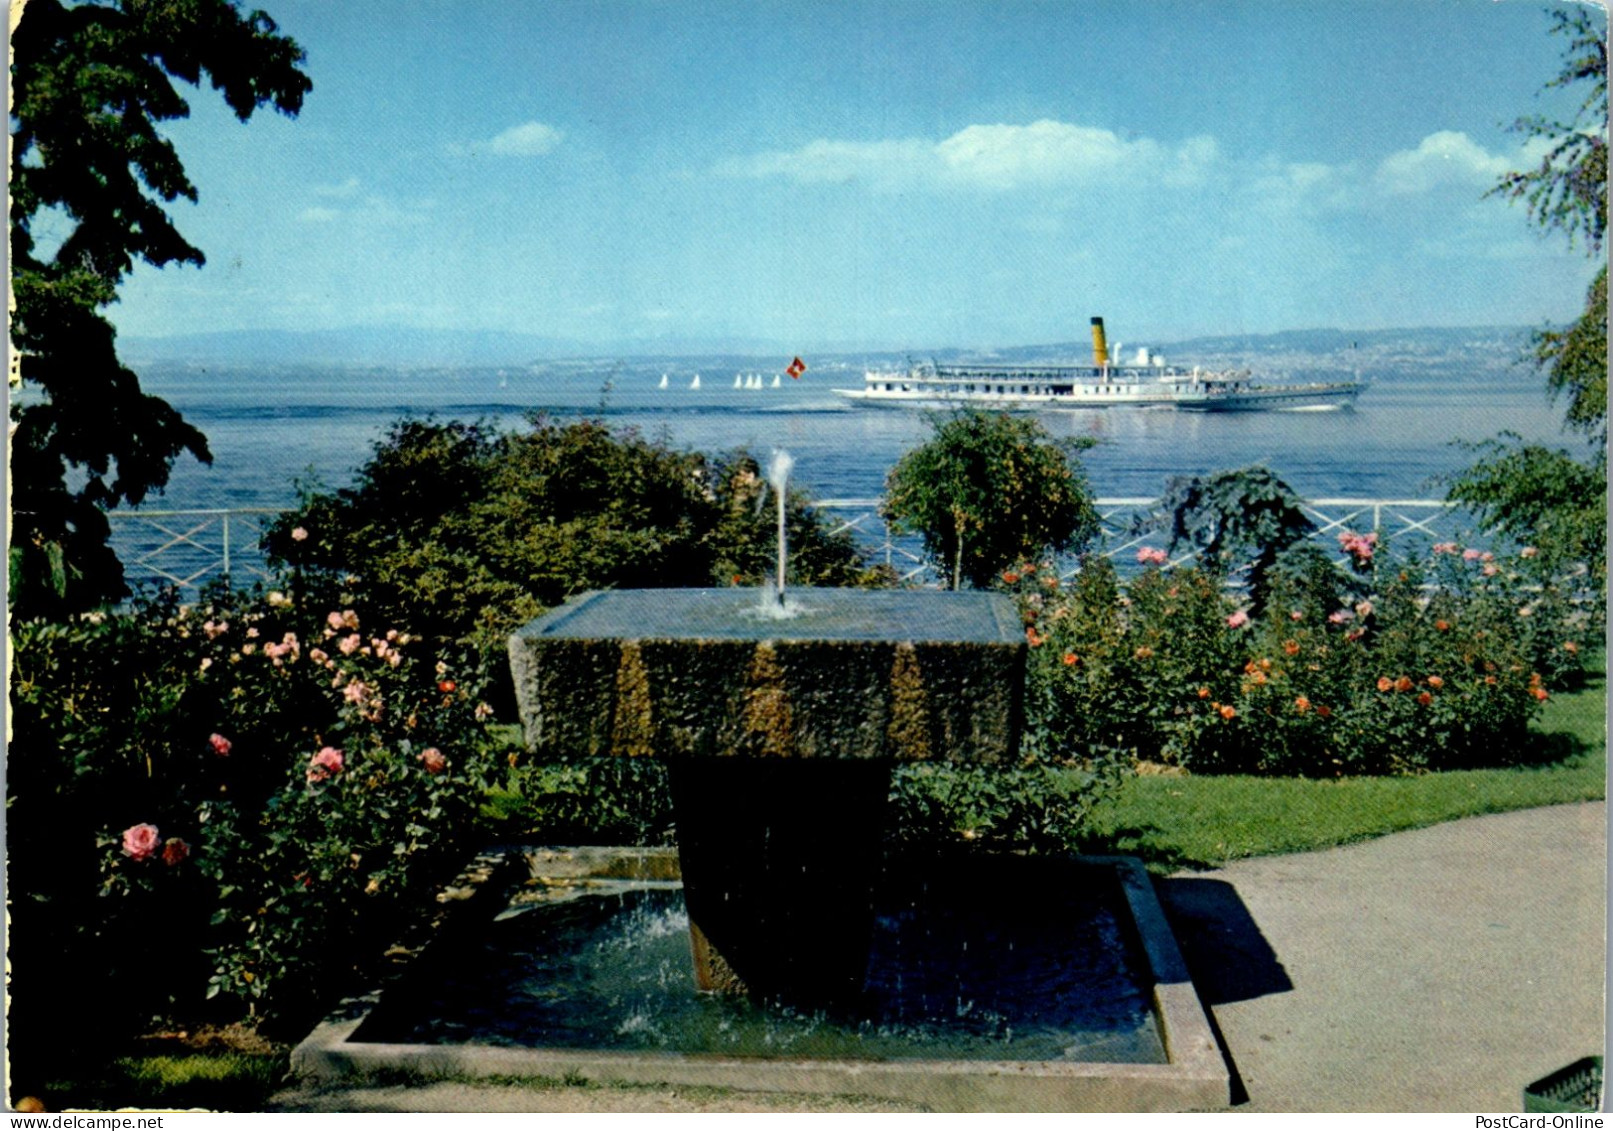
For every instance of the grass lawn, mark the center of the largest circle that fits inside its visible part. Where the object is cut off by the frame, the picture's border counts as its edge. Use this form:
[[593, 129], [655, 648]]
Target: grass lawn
[[1200, 822]]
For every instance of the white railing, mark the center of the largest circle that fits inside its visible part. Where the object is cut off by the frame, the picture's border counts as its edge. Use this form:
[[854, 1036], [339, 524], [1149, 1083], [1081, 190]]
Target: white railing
[[190, 547], [1419, 522]]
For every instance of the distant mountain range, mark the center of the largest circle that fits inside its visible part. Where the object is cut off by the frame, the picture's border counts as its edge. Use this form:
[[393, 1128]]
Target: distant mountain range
[[396, 345], [425, 348]]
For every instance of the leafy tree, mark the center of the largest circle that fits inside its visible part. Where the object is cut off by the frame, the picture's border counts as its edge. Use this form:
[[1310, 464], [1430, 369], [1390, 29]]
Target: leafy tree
[[90, 83], [989, 490], [1540, 497], [1235, 518], [1567, 192], [1550, 498]]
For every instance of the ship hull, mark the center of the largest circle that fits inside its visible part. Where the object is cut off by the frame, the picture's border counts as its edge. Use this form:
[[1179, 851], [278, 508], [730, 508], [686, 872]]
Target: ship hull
[[1252, 398]]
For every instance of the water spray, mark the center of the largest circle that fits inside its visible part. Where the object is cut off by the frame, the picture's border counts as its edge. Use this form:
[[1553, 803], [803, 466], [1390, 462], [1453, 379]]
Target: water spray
[[778, 476]]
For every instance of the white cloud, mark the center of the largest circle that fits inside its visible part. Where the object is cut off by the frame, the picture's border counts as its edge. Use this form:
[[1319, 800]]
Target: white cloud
[[530, 139], [344, 191], [1448, 157], [993, 157]]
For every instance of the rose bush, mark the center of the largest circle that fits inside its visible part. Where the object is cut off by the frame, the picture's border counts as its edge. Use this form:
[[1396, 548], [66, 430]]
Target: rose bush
[[232, 799], [1385, 666]]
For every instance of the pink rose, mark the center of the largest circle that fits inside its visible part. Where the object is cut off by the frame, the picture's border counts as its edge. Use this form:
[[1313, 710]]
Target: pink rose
[[140, 842], [356, 691], [334, 619], [175, 851], [1528, 552], [433, 760], [349, 644], [1149, 555], [299, 534], [324, 764], [220, 745], [1238, 619], [1470, 555], [1445, 547], [1364, 609], [318, 656], [1340, 616]]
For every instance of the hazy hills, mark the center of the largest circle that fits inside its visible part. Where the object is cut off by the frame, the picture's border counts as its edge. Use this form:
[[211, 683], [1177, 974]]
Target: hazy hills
[[1487, 347]]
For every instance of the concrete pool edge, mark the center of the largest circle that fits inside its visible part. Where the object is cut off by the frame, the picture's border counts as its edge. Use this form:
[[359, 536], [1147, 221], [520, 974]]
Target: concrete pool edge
[[1195, 1076]]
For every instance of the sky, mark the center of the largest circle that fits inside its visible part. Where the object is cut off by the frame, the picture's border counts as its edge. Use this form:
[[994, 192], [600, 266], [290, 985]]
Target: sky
[[877, 174]]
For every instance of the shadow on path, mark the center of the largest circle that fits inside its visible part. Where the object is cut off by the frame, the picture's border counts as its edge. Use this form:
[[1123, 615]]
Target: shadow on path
[[1228, 957]]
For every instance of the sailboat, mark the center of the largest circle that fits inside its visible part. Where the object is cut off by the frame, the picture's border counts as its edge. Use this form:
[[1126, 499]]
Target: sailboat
[[775, 381], [695, 384], [739, 381], [662, 385]]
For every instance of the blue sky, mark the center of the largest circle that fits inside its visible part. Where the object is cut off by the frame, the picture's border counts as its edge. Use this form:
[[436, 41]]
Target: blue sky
[[909, 173]]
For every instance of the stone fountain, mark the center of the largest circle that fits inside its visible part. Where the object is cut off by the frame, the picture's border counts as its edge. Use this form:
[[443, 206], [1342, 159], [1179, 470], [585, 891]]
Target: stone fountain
[[780, 736], [780, 718], [781, 715]]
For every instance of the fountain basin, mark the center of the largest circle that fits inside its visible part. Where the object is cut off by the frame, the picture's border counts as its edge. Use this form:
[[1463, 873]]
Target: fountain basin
[[844, 674], [1076, 1000]]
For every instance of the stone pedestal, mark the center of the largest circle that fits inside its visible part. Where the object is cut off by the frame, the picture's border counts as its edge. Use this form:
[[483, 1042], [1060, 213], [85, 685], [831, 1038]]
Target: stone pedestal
[[779, 860], [781, 732]]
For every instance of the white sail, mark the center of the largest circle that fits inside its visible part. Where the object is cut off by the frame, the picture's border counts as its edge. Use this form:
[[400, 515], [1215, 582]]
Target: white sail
[[662, 385], [695, 384]]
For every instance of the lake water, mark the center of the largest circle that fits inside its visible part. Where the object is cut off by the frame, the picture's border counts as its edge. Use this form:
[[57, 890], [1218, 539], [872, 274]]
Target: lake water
[[268, 427]]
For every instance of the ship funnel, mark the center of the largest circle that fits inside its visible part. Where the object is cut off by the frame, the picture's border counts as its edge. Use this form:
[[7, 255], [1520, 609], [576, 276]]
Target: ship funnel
[[1100, 345]]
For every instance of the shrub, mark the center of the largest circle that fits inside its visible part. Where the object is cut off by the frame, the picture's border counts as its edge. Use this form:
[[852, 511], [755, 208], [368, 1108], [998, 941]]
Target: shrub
[[236, 800], [990, 489], [1244, 519], [462, 534], [1395, 666]]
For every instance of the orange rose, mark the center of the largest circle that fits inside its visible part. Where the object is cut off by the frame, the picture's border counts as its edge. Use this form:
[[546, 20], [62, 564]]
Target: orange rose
[[1227, 711], [1385, 683]]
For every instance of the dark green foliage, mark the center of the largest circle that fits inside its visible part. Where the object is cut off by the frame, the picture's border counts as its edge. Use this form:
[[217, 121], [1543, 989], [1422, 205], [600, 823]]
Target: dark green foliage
[[1553, 500], [988, 490], [1575, 361], [1543, 498], [90, 83], [1235, 519], [463, 534]]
